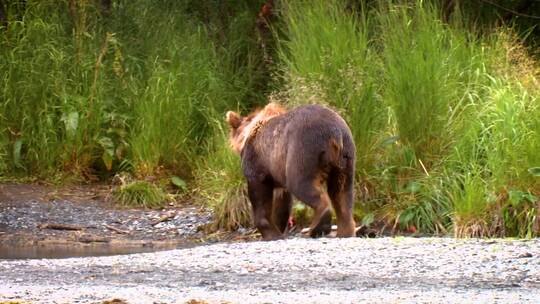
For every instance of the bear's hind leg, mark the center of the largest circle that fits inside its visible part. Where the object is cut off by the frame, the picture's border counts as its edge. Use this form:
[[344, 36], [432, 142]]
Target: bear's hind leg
[[340, 189], [310, 192], [260, 195], [282, 209]]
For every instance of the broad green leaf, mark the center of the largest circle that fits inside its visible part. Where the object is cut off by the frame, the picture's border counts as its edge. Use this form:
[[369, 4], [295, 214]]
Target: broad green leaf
[[534, 171], [413, 187], [17, 146], [179, 183], [515, 197], [406, 216], [389, 141], [108, 151], [107, 160], [106, 143], [530, 197], [71, 122], [368, 219]]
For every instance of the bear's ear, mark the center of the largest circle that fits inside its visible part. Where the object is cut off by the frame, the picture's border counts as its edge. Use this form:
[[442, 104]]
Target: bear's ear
[[233, 119]]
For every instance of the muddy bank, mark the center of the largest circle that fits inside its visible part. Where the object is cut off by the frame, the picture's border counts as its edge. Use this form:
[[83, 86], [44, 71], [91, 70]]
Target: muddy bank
[[44, 221]]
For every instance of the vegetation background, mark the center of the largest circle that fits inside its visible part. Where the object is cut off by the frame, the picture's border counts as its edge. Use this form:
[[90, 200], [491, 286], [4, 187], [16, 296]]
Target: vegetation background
[[442, 98]]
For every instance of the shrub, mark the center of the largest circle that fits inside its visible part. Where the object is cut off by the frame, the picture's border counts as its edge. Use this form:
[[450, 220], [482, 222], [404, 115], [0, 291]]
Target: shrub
[[222, 186], [140, 194]]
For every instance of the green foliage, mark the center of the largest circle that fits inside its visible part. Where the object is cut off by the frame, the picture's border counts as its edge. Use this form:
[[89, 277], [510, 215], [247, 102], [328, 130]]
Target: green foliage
[[431, 75], [301, 214], [431, 69], [469, 195], [140, 194], [51, 101], [222, 186], [520, 213], [428, 210], [179, 183], [326, 59], [82, 92], [501, 142], [514, 126]]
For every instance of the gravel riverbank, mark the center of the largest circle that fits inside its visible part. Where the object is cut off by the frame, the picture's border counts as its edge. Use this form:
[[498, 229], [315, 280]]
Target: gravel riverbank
[[404, 270]]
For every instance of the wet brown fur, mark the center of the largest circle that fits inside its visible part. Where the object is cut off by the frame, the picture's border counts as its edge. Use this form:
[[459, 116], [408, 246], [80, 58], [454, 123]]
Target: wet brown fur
[[297, 152]]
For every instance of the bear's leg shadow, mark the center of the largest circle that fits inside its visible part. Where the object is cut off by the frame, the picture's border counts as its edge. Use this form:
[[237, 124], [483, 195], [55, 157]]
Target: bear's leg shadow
[[260, 195]]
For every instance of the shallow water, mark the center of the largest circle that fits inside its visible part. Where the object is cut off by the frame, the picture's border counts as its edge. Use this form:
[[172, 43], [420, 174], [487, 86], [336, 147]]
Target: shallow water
[[68, 251]]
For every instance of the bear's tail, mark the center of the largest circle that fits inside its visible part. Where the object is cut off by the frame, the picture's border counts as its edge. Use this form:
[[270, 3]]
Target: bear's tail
[[333, 154]]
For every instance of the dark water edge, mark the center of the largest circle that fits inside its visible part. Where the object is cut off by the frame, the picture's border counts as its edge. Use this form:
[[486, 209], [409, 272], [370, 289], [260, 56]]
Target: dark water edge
[[62, 251]]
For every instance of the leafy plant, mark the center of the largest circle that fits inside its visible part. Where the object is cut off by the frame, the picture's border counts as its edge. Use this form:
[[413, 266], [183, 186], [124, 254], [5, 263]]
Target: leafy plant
[[179, 183], [520, 213]]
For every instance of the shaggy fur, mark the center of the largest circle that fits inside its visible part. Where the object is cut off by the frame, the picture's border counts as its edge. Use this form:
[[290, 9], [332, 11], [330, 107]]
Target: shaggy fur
[[298, 152]]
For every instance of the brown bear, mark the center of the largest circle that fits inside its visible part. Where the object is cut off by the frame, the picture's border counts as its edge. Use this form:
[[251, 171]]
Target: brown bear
[[298, 152]]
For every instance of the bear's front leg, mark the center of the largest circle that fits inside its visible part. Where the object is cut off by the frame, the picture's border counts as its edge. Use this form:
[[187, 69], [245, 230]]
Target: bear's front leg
[[261, 197]]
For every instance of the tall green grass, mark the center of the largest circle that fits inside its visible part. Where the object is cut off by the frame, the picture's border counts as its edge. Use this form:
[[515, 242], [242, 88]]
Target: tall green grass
[[326, 58], [222, 185], [431, 72], [52, 104], [182, 91], [88, 94], [469, 196], [502, 140], [435, 102], [193, 79]]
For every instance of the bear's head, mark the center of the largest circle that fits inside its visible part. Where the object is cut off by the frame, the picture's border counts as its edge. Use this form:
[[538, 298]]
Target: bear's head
[[244, 127]]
